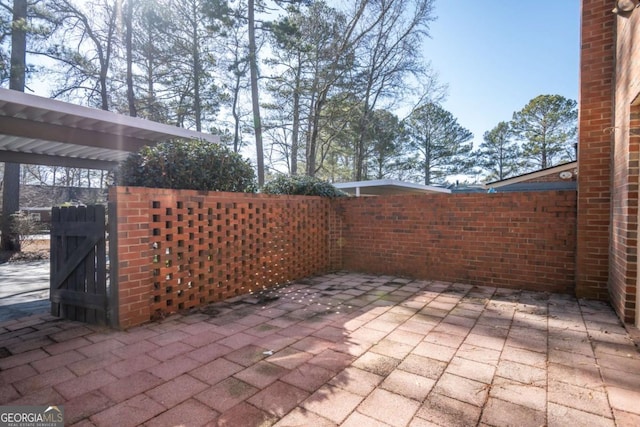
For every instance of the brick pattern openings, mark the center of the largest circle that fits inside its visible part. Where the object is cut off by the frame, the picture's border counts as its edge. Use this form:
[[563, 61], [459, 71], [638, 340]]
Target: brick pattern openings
[[182, 249]]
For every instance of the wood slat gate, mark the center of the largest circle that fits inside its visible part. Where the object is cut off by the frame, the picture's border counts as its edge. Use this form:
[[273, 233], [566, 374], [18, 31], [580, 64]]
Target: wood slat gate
[[78, 289]]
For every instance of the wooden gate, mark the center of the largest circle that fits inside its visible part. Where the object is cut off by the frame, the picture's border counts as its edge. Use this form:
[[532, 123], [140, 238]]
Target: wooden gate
[[79, 288]]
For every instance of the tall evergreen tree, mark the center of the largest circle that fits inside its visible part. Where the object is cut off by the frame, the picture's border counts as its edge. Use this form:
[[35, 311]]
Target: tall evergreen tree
[[306, 68], [196, 98], [233, 66], [153, 56], [499, 155], [387, 154], [443, 145], [547, 126]]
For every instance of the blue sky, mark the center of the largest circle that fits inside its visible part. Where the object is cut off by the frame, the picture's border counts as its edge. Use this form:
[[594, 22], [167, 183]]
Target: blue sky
[[496, 55]]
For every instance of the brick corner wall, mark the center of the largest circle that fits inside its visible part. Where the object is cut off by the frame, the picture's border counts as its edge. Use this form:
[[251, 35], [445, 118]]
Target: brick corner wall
[[597, 59], [623, 253]]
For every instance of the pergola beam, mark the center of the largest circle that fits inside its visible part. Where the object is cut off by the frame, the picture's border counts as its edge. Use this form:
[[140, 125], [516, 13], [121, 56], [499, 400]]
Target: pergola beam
[[36, 130], [47, 160], [57, 133]]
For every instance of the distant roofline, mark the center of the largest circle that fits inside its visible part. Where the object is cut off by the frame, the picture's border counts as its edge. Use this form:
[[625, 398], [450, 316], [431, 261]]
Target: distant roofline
[[534, 174], [390, 185]]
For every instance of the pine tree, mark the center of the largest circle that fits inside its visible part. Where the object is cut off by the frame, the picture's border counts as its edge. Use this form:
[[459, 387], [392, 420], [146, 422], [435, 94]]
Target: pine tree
[[547, 127], [443, 145], [499, 155]]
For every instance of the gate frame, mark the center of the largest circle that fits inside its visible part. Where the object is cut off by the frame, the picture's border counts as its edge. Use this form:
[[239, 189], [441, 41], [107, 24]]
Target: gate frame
[[59, 295], [113, 295]]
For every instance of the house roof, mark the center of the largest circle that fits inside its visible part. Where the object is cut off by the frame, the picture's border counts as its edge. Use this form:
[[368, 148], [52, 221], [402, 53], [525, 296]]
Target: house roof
[[539, 186], [382, 187], [44, 131], [534, 175]]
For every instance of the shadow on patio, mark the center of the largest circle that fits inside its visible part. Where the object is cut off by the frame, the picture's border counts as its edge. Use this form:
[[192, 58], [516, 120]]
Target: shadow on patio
[[340, 349]]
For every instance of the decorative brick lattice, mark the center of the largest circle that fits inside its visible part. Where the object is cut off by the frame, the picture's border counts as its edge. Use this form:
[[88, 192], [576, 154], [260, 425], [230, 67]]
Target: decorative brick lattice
[[204, 247]]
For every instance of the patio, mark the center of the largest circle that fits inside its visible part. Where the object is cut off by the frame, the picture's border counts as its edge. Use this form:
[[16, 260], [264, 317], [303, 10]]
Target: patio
[[340, 349]]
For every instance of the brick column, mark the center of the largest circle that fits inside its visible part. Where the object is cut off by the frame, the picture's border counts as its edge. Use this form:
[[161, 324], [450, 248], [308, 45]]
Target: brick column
[[597, 65], [130, 261]]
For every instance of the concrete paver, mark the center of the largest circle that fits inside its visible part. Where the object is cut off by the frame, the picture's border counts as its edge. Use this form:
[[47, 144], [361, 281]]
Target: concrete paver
[[340, 349], [24, 289]]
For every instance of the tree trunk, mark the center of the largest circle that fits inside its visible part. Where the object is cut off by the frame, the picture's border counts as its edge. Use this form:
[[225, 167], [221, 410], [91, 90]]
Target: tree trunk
[[427, 161], [360, 144], [253, 68], [11, 188], [236, 114], [197, 72], [313, 141], [295, 135], [129, 48]]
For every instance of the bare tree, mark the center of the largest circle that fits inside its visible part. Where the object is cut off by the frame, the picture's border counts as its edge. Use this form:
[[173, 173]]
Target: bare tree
[[128, 16], [6, 16], [84, 48], [387, 58], [255, 95]]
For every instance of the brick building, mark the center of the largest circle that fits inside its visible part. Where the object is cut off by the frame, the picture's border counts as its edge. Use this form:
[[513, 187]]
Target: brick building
[[609, 143]]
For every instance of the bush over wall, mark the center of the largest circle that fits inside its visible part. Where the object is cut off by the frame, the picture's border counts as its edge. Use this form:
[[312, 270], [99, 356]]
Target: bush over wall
[[301, 186], [188, 165]]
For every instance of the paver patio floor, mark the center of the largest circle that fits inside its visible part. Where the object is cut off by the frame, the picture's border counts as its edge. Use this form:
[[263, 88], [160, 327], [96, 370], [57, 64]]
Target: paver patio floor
[[340, 349]]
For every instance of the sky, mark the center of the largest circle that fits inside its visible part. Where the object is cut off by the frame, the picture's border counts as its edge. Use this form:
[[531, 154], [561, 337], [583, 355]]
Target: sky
[[496, 55]]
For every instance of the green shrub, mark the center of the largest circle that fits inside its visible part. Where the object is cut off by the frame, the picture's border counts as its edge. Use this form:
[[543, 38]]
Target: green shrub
[[191, 165], [302, 186]]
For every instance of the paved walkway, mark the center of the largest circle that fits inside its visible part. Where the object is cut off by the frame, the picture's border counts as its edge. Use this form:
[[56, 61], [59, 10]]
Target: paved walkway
[[24, 289], [341, 349]]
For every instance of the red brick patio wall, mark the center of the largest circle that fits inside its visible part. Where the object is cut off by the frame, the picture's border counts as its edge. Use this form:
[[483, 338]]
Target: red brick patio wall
[[623, 251], [594, 148], [516, 240], [181, 249]]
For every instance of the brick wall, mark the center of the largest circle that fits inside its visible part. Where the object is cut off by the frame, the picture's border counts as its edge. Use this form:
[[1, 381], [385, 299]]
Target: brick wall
[[181, 249], [515, 240], [623, 251], [594, 148]]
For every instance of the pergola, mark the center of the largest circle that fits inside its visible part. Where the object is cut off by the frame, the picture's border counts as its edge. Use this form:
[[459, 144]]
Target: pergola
[[36, 130]]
